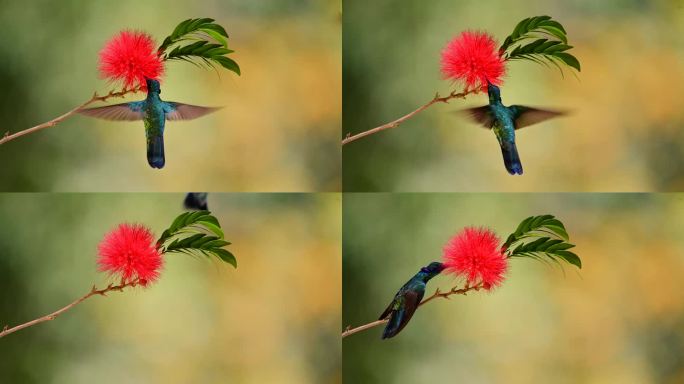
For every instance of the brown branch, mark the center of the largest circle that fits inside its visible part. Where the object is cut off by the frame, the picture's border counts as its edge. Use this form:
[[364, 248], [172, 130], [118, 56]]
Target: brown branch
[[7, 137], [350, 331], [94, 291], [393, 124], [445, 295], [453, 291]]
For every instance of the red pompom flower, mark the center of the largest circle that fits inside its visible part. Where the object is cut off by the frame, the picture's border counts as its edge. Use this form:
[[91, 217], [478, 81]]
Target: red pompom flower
[[130, 252], [475, 254], [131, 57], [473, 58]]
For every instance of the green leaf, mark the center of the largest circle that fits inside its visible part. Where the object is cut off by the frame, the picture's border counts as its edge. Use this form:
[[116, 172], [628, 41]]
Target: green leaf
[[522, 49], [196, 233], [228, 64], [178, 222], [555, 32], [216, 243], [541, 238], [217, 36], [187, 242], [550, 44], [199, 243], [213, 228], [569, 60], [193, 216], [201, 42], [559, 247], [570, 258], [553, 23], [520, 29], [209, 219], [226, 256], [550, 243], [558, 230]]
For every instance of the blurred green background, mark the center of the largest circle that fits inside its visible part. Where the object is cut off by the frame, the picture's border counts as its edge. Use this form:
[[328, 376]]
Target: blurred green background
[[624, 134], [274, 319], [278, 131], [618, 320]]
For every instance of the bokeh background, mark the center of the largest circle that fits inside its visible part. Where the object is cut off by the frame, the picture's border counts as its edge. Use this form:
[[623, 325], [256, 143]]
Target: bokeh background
[[279, 130], [624, 134], [274, 319], [618, 320]]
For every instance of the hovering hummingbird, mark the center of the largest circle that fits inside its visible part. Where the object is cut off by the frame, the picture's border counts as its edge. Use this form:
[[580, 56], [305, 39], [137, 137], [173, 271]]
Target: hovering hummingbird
[[196, 201], [153, 112], [408, 298], [504, 121]]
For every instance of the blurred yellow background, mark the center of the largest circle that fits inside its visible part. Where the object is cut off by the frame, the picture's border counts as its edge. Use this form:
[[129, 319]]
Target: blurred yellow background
[[618, 320], [278, 131], [274, 319], [624, 132]]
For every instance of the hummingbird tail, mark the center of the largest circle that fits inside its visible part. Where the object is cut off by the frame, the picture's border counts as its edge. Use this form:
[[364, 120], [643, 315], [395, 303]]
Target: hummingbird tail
[[511, 158], [155, 151], [393, 326]]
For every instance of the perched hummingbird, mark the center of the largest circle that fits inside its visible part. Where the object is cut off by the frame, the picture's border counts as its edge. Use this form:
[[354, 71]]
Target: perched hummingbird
[[196, 201], [408, 298], [153, 112], [504, 121]]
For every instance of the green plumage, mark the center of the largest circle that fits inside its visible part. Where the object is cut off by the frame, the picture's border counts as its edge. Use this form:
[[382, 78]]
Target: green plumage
[[504, 121], [407, 300]]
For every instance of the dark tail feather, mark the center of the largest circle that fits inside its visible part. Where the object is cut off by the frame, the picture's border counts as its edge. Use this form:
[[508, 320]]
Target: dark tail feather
[[155, 151], [511, 158], [393, 326]]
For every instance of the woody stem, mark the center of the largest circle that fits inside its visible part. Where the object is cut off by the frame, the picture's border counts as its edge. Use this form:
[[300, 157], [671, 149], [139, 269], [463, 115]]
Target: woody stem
[[393, 124], [94, 291], [7, 137]]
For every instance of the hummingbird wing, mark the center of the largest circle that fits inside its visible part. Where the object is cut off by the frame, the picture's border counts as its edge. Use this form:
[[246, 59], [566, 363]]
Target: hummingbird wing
[[482, 115], [180, 111], [388, 310], [526, 116], [196, 201], [402, 309], [118, 112]]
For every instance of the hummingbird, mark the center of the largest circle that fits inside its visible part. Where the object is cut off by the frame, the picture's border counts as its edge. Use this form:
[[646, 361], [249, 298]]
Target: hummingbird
[[504, 121], [406, 301], [196, 201], [154, 112]]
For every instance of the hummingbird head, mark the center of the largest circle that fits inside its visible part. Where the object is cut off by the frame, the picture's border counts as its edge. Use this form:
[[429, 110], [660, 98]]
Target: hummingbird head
[[153, 86], [433, 269], [493, 91]]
